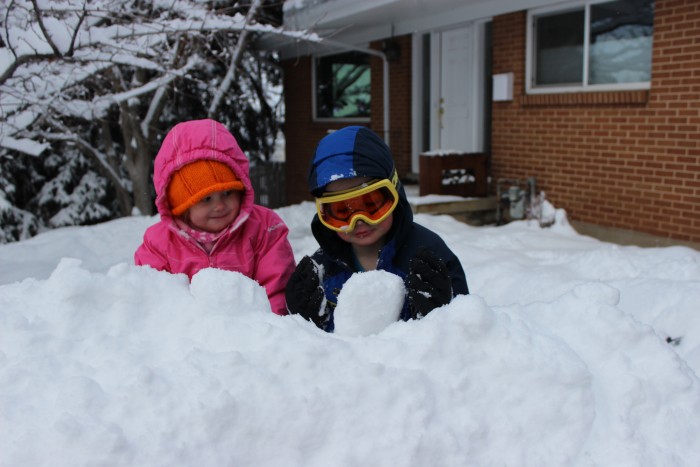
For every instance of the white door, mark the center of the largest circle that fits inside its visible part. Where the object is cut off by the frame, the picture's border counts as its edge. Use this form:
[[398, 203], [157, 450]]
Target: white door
[[458, 101]]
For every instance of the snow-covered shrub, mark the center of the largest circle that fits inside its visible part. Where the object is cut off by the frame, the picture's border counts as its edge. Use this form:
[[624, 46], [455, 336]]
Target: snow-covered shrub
[[76, 195], [16, 178]]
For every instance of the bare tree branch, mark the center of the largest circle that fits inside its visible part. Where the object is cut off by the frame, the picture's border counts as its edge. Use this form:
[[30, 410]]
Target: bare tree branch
[[158, 101], [237, 54], [40, 21], [67, 135], [74, 37]]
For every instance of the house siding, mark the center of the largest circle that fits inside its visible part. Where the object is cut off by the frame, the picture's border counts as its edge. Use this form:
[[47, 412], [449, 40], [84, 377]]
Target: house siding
[[302, 134], [627, 160], [620, 160]]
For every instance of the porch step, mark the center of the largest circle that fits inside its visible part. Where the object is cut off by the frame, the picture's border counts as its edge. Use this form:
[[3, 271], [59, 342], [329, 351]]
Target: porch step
[[473, 211]]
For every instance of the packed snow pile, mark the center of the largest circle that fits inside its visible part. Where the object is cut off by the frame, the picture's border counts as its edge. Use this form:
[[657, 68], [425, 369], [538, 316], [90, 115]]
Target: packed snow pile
[[559, 358]]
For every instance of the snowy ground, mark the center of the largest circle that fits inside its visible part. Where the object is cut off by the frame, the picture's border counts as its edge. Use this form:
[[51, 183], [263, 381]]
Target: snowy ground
[[558, 358]]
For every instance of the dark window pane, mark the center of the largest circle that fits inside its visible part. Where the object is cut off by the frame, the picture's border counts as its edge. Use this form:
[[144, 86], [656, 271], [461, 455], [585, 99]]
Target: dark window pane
[[343, 86], [559, 48], [621, 41]]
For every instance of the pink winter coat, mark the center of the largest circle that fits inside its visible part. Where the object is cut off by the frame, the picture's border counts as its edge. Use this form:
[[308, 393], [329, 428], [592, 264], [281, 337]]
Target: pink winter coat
[[257, 245]]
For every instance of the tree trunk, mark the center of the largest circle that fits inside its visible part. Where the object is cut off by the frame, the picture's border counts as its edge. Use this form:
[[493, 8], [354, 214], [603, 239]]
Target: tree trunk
[[141, 179], [138, 160], [123, 196]]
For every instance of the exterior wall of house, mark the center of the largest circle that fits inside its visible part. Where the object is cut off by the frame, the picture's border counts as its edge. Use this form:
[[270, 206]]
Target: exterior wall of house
[[400, 79], [627, 160], [620, 160], [302, 133]]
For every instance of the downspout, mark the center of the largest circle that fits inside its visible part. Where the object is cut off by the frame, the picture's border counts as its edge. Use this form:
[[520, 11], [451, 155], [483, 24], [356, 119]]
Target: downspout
[[385, 67]]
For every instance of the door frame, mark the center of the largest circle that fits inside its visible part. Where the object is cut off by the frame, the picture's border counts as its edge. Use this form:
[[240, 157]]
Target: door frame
[[477, 86]]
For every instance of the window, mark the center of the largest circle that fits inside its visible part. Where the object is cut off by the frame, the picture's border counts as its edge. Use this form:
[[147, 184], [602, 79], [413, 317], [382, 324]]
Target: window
[[591, 46], [342, 86]]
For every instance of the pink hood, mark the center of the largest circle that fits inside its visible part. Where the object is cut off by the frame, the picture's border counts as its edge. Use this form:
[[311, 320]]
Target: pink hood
[[194, 140]]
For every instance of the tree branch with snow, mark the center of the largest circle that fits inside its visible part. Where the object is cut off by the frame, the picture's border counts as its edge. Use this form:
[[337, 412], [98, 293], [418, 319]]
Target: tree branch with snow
[[113, 75]]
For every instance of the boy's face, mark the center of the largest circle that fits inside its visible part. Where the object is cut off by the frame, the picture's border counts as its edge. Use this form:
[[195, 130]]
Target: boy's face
[[215, 212], [363, 234]]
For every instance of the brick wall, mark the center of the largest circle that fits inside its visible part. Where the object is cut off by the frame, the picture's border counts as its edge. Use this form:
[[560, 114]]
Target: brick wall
[[626, 160], [399, 102], [302, 133]]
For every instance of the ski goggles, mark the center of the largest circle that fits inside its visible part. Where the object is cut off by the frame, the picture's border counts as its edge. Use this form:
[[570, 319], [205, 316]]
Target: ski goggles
[[372, 202]]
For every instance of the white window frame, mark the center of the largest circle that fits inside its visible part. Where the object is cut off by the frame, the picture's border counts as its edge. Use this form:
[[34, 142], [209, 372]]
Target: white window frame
[[315, 117], [530, 87]]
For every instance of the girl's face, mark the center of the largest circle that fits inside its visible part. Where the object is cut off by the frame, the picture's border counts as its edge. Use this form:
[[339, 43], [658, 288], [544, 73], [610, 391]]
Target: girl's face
[[215, 212], [363, 234]]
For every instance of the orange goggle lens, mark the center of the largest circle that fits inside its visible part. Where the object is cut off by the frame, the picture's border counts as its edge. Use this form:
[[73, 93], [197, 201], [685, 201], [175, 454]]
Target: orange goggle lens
[[370, 203]]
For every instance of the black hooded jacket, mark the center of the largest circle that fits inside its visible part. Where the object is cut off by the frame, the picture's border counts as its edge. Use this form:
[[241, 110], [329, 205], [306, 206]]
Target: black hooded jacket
[[358, 152]]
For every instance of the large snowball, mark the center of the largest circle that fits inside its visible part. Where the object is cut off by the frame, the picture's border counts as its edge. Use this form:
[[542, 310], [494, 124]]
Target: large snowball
[[368, 303]]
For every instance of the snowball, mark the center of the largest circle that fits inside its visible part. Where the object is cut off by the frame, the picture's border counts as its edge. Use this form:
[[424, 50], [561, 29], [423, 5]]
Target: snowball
[[229, 290], [368, 303]]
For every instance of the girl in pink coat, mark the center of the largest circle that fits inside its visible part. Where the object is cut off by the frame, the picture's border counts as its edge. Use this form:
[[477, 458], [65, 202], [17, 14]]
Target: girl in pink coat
[[207, 213]]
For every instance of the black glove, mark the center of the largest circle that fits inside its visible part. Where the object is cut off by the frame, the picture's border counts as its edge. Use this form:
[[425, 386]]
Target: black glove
[[304, 293], [429, 284]]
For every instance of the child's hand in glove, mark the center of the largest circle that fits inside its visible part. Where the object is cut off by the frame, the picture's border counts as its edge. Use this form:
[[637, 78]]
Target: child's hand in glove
[[304, 292], [428, 283]]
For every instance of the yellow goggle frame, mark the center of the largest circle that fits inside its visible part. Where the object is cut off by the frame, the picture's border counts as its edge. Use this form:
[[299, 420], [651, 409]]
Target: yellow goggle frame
[[324, 205]]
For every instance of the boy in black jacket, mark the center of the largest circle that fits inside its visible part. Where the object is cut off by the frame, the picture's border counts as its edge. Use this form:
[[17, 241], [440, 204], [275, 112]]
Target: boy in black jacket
[[364, 222]]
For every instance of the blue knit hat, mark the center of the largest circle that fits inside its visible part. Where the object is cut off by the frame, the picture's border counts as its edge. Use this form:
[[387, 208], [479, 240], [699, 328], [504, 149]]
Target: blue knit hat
[[353, 151]]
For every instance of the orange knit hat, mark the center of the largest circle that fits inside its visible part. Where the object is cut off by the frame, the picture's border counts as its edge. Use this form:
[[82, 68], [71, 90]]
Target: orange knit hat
[[198, 179]]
